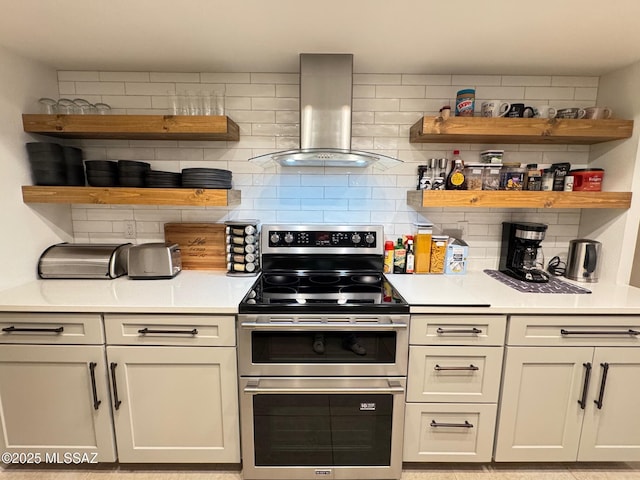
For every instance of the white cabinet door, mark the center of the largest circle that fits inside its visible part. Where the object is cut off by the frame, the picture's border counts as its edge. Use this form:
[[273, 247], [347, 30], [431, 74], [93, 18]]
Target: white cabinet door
[[178, 404], [47, 401], [540, 418], [612, 432]]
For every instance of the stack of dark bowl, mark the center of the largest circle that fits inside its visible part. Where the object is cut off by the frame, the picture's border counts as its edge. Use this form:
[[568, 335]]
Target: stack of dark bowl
[[206, 178], [102, 173], [53, 164], [159, 179], [132, 174]]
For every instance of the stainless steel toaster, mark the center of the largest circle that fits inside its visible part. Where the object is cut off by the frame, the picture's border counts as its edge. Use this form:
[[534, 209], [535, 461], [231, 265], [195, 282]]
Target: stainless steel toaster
[[84, 260], [154, 260]]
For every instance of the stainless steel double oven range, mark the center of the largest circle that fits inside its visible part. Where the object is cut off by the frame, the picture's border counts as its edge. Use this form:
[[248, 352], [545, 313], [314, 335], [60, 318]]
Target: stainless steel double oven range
[[322, 345]]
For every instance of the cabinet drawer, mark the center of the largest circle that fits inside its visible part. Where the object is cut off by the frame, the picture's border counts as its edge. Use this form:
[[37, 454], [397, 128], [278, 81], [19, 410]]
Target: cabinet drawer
[[449, 432], [51, 328], [457, 329], [574, 330], [454, 374], [187, 330]]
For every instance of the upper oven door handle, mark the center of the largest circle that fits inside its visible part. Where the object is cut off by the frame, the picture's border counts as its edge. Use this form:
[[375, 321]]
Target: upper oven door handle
[[253, 386], [338, 327]]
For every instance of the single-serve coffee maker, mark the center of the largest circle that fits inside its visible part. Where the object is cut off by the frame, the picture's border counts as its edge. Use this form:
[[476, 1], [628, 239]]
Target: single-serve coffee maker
[[520, 251]]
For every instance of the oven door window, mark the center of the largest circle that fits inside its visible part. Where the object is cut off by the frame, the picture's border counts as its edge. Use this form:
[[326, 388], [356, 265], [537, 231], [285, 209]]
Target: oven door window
[[318, 429], [284, 347]]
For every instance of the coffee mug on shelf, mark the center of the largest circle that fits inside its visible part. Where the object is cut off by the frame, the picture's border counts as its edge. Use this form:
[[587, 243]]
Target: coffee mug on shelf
[[519, 110], [544, 111], [495, 108], [598, 113], [570, 113]]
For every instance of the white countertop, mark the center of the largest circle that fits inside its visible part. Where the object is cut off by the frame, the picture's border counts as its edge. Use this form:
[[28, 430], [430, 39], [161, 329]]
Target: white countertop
[[463, 293], [189, 292], [214, 292]]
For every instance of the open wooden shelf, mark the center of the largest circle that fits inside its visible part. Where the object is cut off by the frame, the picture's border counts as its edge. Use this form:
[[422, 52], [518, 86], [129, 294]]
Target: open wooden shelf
[[518, 130], [131, 196], [134, 127], [517, 199]]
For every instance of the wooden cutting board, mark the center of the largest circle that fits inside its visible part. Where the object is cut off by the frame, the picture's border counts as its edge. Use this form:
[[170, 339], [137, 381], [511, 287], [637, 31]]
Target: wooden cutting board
[[202, 245]]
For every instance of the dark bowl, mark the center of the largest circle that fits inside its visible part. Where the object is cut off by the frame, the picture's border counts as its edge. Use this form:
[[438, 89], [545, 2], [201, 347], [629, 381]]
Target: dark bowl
[[34, 147], [101, 165]]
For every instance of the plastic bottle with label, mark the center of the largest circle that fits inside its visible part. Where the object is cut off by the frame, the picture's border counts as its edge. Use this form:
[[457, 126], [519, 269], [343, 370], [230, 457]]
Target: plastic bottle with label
[[456, 179], [388, 257]]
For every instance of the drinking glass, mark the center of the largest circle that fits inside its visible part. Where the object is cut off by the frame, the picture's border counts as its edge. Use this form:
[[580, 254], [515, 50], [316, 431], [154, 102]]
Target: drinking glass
[[66, 106], [102, 109], [48, 106]]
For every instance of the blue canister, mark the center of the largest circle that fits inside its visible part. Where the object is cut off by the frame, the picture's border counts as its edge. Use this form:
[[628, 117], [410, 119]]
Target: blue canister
[[465, 102]]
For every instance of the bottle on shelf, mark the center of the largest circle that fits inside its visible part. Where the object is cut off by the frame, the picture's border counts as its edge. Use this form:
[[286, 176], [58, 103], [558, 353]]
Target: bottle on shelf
[[399, 257], [410, 258], [388, 257], [456, 179]]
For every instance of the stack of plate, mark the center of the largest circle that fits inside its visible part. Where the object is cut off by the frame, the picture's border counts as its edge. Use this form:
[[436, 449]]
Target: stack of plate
[[206, 178], [158, 179], [47, 163], [102, 173], [73, 166], [132, 174]]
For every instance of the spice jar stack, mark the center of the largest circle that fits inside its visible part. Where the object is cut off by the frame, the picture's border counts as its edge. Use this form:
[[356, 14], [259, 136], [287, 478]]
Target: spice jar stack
[[243, 256]]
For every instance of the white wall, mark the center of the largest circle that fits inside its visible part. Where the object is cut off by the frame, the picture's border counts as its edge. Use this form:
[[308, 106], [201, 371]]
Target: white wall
[[620, 159], [26, 232], [266, 108]]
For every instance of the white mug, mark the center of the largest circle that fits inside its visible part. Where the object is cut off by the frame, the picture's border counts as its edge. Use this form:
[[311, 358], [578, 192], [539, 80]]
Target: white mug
[[544, 111], [494, 108], [598, 113]]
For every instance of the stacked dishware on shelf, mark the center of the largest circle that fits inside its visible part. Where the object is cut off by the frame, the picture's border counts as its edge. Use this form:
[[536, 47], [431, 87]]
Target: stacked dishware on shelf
[[53, 164], [242, 239]]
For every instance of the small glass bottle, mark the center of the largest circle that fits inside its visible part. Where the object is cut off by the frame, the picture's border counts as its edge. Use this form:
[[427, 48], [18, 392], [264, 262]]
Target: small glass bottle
[[410, 257], [456, 179]]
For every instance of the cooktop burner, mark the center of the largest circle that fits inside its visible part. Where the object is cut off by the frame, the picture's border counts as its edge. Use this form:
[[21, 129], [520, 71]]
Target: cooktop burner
[[322, 268]]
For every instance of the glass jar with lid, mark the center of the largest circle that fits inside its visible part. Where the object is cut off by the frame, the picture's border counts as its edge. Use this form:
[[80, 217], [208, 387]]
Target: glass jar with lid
[[512, 176], [491, 177]]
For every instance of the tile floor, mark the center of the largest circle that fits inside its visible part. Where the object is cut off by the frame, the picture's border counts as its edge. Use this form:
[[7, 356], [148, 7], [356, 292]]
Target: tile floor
[[459, 471]]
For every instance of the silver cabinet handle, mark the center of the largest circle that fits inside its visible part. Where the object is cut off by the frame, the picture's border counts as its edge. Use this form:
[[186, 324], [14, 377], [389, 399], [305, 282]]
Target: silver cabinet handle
[[471, 367], [466, 424], [473, 331], [253, 386]]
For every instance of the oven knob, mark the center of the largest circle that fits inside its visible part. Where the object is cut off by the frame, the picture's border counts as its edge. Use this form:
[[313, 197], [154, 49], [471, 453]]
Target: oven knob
[[275, 238], [370, 238], [355, 238], [288, 238]]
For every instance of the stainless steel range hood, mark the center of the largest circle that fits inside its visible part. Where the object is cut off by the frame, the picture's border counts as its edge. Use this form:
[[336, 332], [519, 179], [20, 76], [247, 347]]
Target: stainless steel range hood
[[326, 89]]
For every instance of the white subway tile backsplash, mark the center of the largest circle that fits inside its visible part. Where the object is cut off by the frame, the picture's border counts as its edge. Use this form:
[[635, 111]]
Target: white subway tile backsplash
[[265, 106], [250, 90], [568, 81], [124, 76], [147, 88], [549, 93], [78, 76], [376, 79], [100, 88], [175, 77], [282, 78]]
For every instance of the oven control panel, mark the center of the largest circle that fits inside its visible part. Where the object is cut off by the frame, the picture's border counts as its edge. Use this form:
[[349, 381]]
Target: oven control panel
[[322, 238]]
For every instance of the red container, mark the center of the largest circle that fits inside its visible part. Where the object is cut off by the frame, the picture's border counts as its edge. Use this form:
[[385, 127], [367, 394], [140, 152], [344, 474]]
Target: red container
[[587, 179]]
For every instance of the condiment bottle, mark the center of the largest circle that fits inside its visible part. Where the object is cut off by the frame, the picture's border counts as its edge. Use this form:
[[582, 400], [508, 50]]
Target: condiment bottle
[[534, 177], [399, 257], [388, 257], [456, 179], [410, 260]]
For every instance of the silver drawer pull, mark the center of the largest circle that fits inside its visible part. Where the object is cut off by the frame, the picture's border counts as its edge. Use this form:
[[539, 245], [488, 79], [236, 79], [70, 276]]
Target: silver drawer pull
[[471, 367], [473, 331], [466, 424], [145, 331], [599, 332]]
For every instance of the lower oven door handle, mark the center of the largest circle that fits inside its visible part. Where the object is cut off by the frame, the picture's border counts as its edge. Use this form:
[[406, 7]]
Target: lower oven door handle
[[253, 386], [292, 327]]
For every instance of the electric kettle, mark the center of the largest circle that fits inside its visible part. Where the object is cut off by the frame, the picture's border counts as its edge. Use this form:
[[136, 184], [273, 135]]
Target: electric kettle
[[583, 260]]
